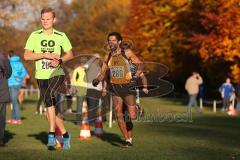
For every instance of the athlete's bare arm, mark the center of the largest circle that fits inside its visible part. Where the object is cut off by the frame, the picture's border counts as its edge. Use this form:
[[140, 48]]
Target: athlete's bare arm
[[144, 82], [104, 88], [29, 55], [130, 55], [67, 56], [104, 69]]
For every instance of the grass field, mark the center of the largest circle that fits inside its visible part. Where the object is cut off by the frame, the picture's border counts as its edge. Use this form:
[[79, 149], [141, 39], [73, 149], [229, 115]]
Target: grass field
[[208, 136]]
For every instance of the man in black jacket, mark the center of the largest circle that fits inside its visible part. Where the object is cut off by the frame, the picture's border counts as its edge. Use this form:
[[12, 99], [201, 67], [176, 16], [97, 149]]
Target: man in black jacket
[[5, 73]]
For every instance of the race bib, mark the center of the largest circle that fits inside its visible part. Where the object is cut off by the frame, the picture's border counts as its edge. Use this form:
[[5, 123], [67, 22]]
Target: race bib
[[117, 72], [46, 64]]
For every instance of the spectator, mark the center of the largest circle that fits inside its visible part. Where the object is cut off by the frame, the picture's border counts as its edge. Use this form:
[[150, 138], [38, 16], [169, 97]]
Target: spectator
[[231, 101], [192, 87], [15, 83], [202, 91], [5, 73], [226, 89], [79, 84], [22, 91], [94, 94]]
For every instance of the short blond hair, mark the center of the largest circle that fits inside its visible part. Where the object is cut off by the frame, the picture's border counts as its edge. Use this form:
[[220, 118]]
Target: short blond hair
[[48, 10]]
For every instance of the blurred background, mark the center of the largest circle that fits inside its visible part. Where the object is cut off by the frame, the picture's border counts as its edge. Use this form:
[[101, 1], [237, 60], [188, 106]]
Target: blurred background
[[185, 35]]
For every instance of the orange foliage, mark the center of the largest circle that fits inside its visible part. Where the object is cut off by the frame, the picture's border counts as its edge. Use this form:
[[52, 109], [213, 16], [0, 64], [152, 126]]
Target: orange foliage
[[221, 21], [150, 26]]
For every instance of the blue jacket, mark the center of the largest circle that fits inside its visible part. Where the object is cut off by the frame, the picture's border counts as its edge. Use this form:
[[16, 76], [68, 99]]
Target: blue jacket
[[18, 72], [226, 89]]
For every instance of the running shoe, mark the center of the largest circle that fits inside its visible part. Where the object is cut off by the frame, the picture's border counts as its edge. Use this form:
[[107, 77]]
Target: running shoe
[[51, 142], [127, 144], [66, 142], [16, 121]]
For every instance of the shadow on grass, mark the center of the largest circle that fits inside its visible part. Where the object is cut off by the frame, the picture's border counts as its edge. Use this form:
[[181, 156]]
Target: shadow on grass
[[23, 118], [30, 101], [42, 136], [8, 136], [202, 153], [221, 130], [111, 138]]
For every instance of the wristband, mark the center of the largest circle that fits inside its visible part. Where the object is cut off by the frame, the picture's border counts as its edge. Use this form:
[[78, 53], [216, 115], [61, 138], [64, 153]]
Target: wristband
[[60, 61]]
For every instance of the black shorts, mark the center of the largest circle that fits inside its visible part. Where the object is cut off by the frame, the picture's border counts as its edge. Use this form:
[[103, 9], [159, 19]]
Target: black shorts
[[23, 87], [122, 90], [49, 89]]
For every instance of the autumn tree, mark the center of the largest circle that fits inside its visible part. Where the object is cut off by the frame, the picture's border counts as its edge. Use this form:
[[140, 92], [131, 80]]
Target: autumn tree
[[160, 32], [187, 35], [220, 39], [88, 23]]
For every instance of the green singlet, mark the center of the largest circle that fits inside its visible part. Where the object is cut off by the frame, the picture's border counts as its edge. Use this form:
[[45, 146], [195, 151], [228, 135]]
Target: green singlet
[[38, 42]]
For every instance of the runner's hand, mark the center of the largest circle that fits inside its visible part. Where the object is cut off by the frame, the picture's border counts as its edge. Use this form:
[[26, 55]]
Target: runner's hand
[[95, 82], [54, 63], [145, 90]]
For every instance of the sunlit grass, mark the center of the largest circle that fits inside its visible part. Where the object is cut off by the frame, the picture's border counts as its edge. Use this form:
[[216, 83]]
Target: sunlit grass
[[208, 136]]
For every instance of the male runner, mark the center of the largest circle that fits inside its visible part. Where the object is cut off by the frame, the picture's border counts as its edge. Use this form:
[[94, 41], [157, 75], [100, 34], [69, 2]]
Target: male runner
[[121, 83], [44, 47]]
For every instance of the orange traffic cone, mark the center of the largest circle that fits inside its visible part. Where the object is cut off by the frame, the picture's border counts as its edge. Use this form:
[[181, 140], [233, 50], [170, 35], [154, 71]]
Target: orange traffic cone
[[98, 124], [59, 138], [85, 133], [232, 111]]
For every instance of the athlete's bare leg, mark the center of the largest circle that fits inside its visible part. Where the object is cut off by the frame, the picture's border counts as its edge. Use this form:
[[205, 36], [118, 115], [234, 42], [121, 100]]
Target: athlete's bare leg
[[51, 118], [118, 103], [59, 123], [130, 102]]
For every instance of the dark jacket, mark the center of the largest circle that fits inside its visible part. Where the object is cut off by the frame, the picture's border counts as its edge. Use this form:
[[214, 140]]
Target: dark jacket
[[5, 73]]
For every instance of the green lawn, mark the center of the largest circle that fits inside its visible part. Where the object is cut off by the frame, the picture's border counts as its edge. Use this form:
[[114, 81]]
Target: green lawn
[[208, 136]]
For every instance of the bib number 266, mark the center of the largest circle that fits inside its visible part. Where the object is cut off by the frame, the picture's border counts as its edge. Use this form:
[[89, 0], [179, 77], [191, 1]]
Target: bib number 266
[[117, 72]]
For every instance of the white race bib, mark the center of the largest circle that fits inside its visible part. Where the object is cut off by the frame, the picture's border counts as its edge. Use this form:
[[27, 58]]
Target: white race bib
[[46, 64], [117, 72]]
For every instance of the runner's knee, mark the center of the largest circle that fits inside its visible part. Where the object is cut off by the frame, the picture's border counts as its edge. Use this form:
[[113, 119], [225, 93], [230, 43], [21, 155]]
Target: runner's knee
[[133, 116]]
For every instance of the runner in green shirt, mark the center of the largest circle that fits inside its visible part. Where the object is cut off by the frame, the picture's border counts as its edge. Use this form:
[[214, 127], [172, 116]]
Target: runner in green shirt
[[44, 46], [41, 43]]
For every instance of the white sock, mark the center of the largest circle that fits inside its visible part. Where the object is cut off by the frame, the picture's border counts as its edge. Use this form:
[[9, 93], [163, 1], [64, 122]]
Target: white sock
[[129, 140]]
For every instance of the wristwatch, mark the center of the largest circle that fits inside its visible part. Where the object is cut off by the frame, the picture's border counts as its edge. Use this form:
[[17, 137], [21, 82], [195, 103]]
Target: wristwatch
[[60, 61]]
